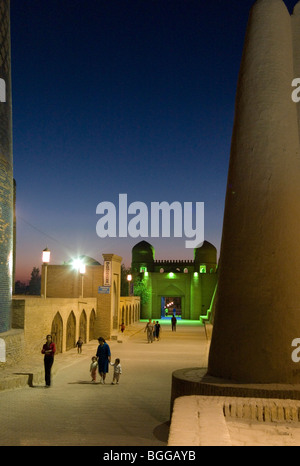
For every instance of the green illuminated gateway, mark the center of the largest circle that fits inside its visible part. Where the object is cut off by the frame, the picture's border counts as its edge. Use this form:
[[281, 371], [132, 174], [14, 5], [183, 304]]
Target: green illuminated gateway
[[181, 287]]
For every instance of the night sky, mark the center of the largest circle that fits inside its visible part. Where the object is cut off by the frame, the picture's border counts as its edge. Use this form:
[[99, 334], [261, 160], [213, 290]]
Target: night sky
[[120, 96]]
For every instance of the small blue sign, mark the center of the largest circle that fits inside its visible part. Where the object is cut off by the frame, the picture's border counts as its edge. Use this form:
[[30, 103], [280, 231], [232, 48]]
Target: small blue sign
[[104, 289]]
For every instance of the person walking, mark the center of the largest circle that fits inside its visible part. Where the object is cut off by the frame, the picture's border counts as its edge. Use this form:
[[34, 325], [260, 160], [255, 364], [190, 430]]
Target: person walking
[[149, 329], [48, 350], [117, 371], [104, 356], [174, 321], [157, 330]]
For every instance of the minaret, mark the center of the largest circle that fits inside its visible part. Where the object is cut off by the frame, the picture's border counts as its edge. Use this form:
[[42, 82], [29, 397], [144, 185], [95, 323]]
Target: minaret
[[258, 301], [6, 171]]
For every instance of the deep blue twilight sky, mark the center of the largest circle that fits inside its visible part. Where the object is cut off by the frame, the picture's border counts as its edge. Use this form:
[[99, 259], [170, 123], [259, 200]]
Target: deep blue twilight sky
[[120, 96]]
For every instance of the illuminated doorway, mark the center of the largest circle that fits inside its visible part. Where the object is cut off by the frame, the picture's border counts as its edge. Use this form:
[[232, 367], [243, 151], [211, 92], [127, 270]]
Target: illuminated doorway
[[171, 305]]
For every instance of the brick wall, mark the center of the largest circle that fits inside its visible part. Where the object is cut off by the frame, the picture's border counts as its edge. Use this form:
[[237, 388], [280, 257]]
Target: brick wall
[[66, 282], [39, 313]]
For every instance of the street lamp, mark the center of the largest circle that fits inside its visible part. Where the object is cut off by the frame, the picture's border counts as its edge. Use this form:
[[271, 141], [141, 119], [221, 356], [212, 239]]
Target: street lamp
[[129, 278], [82, 270], [46, 260]]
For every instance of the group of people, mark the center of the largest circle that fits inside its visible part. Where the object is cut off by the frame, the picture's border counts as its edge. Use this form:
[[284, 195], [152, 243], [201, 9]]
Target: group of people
[[153, 330], [101, 361]]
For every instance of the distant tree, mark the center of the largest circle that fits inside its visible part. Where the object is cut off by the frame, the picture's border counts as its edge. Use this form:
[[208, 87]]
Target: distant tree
[[141, 289], [21, 287], [34, 287]]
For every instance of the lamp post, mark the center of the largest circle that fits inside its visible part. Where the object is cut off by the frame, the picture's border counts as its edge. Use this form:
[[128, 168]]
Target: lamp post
[[82, 272], [46, 260], [129, 278]]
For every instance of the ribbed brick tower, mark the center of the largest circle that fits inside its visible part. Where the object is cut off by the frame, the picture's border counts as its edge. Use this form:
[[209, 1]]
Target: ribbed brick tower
[[257, 312], [6, 173]]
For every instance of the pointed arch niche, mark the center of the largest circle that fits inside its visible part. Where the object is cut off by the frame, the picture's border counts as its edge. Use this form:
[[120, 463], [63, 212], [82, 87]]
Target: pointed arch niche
[[71, 332], [57, 332], [83, 326]]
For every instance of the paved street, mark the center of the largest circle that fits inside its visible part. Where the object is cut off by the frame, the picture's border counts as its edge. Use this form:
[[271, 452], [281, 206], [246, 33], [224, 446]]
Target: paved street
[[76, 412]]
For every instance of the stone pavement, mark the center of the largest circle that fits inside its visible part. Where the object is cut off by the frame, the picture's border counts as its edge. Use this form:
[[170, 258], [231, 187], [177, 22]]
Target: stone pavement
[[75, 411]]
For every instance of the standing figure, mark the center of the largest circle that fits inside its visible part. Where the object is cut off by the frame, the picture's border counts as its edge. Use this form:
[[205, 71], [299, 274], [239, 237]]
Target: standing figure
[[149, 329], [174, 321], [117, 371], [157, 330], [79, 345], [48, 350], [104, 356]]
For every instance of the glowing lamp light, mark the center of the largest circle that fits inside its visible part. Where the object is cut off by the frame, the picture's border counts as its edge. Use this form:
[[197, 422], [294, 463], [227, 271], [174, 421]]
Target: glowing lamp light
[[82, 268], [77, 264], [46, 256], [129, 279], [46, 260]]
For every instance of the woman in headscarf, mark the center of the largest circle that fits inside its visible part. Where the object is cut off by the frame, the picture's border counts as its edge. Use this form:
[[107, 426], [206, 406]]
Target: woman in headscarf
[[104, 357]]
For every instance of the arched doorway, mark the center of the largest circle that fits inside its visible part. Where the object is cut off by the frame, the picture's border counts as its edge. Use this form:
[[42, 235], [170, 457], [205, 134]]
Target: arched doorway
[[82, 326], [92, 325], [71, 332], [171, 305], [57, 332]]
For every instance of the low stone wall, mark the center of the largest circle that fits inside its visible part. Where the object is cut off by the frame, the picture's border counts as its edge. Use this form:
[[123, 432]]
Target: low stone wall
[[201, 421], [198, 421]]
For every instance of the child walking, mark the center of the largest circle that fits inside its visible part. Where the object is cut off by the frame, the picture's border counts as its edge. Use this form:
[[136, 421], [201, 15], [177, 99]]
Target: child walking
[[117, 371], [93, 368], [79, 345]]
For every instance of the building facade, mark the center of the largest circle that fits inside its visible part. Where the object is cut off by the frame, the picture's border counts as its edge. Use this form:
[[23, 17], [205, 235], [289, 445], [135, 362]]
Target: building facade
[[180, 287]]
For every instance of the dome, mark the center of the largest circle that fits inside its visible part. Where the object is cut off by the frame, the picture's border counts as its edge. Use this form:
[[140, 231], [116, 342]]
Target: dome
[[143, 255], [143, 251], [85, 259], [207, 253]]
